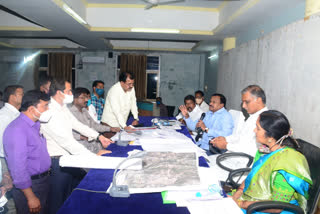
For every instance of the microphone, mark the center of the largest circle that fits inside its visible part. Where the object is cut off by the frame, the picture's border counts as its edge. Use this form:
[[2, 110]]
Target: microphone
[[198, 129], [122, 191]]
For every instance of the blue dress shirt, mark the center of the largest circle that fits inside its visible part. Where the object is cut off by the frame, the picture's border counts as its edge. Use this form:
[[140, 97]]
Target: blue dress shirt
[[219, 123]]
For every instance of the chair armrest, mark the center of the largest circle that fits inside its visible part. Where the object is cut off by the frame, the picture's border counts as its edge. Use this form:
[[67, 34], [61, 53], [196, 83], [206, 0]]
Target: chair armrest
[[232, 154], [263, 205], [231, 175]]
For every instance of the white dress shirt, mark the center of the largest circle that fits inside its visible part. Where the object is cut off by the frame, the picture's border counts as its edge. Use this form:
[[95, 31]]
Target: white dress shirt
[[245, 140], [7, 114], [194, 115], [58, 131], [118, 106], [204, 106]]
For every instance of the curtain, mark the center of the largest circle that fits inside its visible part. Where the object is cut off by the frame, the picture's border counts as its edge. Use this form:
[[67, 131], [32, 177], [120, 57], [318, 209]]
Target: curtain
[[60, 66], [137, 64]]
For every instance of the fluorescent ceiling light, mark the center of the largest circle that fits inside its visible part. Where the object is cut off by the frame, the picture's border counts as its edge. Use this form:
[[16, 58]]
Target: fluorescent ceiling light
[[66, 8], [154, 30], [213, 56], [30, 58]]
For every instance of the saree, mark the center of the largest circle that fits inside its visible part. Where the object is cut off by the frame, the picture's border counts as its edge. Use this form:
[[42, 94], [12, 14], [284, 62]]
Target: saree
[[263, 182]]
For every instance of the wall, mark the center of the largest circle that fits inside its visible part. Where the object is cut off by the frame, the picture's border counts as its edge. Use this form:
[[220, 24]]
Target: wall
[[16, 72], [286, 64], [211, 75]]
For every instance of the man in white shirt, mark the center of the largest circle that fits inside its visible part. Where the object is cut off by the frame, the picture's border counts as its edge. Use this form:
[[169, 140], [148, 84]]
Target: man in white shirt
[[194, 110], [199, 95], [12, 98], [121, 99], [254, 102], [60, 141]]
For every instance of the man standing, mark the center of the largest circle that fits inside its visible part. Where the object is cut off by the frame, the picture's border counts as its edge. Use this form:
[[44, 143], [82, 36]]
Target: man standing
[[200, 101], [194, 110], [60, 140], [253, 101], [97, 97], [12, 97], [121, 99], [217, 122], [44, 83], [27, 155], [78, 109]]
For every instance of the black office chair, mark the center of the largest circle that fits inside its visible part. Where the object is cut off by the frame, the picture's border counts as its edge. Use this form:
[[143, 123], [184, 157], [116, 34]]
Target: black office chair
[[312, 154], [170, 110]]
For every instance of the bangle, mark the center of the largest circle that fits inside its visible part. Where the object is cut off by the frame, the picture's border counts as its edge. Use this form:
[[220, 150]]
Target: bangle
[[239, 203]]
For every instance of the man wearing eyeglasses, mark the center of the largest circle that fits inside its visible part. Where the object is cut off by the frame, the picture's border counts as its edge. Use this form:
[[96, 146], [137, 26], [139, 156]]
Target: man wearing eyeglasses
[[121, 99]]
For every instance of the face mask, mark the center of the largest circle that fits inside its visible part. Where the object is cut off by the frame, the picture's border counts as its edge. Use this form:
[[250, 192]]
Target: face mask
[[44, 116], [68, 99], [99, 91], [158, 102], [89, 103], [198, 101]]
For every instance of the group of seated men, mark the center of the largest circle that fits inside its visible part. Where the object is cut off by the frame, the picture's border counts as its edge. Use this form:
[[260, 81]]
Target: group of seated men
[[39, 126]]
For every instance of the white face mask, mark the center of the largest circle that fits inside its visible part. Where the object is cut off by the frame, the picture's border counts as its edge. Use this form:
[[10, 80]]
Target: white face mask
[[44, 116], [67, 98], [198, 101]]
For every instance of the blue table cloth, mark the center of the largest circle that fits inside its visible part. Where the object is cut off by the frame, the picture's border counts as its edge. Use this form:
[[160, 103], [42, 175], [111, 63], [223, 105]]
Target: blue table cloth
[[90, 196]]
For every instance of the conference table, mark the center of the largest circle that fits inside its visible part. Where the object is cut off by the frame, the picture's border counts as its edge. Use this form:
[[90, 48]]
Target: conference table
[[90, 196]]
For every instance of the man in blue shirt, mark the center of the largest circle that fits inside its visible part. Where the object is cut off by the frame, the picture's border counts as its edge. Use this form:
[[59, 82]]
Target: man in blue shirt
[[217, 122], [97, 97]]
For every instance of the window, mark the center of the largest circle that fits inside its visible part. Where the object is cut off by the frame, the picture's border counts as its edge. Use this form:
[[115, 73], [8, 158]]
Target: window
[[153, 75]]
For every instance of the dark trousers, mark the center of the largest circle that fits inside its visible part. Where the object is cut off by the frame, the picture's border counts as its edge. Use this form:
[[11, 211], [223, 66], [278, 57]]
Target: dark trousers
[[62, 181], [40, 188]]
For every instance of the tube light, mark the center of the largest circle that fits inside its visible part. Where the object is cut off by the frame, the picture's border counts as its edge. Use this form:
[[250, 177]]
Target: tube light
[[154, 30], [71, 12], [213, 56]]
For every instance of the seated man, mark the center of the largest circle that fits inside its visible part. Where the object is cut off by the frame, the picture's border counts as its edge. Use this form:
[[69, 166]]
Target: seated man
[[194, 110], [27, 155], [199, 95], [78, 109], [163, 107], [253, 101], [218, 121], [121, 99]]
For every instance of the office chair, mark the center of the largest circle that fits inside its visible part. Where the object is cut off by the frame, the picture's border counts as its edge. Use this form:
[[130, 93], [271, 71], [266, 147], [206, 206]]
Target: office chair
[[170, 110]]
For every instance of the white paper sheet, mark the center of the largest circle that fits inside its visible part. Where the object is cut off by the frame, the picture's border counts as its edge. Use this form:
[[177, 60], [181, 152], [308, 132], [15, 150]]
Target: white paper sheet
[[99, 162], [225, 206]]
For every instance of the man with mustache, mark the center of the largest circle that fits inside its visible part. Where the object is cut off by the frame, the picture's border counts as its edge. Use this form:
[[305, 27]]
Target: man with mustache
[[217, 122]]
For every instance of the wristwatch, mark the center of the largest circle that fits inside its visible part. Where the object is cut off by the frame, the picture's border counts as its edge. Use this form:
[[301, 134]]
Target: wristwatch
[[206, 130]]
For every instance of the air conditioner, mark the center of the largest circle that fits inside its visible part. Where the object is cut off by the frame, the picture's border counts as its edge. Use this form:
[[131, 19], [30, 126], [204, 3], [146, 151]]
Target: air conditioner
[[93, 59]]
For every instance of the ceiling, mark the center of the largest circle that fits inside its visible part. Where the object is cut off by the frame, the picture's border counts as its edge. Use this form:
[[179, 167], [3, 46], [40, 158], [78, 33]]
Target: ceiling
[[196, 25]]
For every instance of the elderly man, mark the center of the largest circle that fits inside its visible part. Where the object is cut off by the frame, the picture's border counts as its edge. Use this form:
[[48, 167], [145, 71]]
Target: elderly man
[[194, 110], [121, 99], [217, 121], [199, 95], [12, 97], [60, 140], [79, 110], [27, 155], [253, 101]]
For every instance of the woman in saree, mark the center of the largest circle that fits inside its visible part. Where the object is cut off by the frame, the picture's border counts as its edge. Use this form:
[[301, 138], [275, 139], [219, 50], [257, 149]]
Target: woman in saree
[[280, 172]]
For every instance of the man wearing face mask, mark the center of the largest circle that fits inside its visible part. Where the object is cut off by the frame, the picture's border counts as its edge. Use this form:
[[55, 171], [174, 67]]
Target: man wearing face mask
[[12, 97], [60, 140], [121, 99], [200, 101], [97, 97], [163, 107], [27, 155]]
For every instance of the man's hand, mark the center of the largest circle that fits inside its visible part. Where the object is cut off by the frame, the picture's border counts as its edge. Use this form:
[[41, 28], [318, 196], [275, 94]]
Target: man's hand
[[128, 128], [105, 141], [115, 129], [219, 142], [201, 125], [184, 111], [34, 205], [7, 181], [135, 122], [103, 151]]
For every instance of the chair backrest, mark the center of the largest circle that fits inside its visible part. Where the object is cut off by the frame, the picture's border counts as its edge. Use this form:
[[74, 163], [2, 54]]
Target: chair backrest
[[312, 154], [170, 110], [238, 119]]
